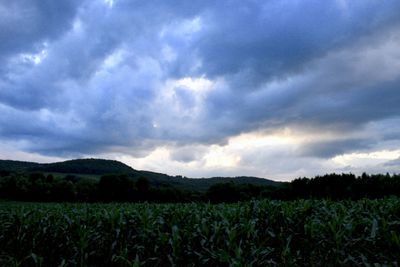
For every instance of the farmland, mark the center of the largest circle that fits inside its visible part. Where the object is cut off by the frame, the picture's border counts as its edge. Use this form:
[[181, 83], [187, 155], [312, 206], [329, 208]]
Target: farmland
[[252, 233]]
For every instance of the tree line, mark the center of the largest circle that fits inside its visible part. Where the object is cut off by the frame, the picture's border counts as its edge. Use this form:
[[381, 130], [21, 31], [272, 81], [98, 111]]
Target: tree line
[[344, 186], [38, 186]]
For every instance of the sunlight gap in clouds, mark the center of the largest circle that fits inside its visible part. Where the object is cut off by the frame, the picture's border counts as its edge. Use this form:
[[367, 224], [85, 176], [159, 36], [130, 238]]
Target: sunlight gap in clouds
[[360, 160], [35, 58], [215, 158], [269, 154], [183, 99], [221, 157], [198, 85], [258, 139]]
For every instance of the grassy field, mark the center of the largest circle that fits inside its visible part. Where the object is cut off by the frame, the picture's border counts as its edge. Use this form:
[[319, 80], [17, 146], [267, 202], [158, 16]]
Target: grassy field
[[257, 233]]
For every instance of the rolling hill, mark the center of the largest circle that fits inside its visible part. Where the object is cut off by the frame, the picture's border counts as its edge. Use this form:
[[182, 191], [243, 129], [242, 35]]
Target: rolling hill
[[98, 167]]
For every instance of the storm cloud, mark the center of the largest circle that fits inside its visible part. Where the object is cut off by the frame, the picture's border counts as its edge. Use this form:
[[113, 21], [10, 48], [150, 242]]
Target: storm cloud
[[128, 78]]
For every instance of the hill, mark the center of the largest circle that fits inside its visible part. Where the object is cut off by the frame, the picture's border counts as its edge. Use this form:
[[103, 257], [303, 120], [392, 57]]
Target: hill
[[100, 167], [76, 166], [202, 184], [86, 166], [16, 166]]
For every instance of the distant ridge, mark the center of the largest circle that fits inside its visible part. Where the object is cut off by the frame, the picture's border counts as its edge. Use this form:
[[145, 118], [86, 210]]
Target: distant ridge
[[102, 166], [79, 166], [86, 166], [15, 166]]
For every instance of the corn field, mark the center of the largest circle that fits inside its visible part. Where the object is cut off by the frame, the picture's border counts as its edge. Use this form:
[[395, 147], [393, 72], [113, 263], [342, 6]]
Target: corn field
[[255, 233]]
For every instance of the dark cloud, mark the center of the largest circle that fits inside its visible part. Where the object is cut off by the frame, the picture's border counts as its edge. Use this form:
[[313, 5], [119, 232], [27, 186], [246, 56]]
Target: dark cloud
[[84, 77], [26, 24], [328, 149], [187, 154], [268, 39], [340, 98]]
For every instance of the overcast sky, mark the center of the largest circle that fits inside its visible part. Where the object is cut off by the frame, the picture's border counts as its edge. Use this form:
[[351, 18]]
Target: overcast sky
[[276, 89]]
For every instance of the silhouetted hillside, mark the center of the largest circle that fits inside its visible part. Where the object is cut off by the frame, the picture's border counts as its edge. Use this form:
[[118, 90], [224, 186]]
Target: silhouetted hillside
[[17, 166], [76, 166], [101, 167], [202, 184], [86, 166], [96, 180]]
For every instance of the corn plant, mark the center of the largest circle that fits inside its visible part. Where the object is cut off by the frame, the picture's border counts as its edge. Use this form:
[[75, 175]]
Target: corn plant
[[255, 233]]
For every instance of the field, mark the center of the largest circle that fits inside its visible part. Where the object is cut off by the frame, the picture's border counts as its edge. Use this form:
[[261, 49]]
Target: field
[[255, 233]]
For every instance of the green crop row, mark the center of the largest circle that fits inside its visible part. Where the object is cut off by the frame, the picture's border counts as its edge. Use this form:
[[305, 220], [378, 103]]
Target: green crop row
[[256, 233]]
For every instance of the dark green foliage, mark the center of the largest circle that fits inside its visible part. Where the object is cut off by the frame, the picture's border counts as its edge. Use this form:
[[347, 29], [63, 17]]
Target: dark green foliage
[[142, 184], [63, 190], [17, 166], [9, 187], [231, 192], [99, 167], [126, 184], [254, 233], [343, 186], [125, 188], [86, 190], [72, 178], [226, 192], [49, 178], [36, 177], [203, 184], [116, 188], [86, 166], [79, 166], [4, 173]]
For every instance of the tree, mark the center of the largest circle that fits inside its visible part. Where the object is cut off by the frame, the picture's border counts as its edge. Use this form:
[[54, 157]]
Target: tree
[[116, 188], [223, 192]]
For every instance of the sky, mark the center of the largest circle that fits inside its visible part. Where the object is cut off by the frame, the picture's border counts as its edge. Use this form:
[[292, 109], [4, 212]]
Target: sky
[[271, 88]]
